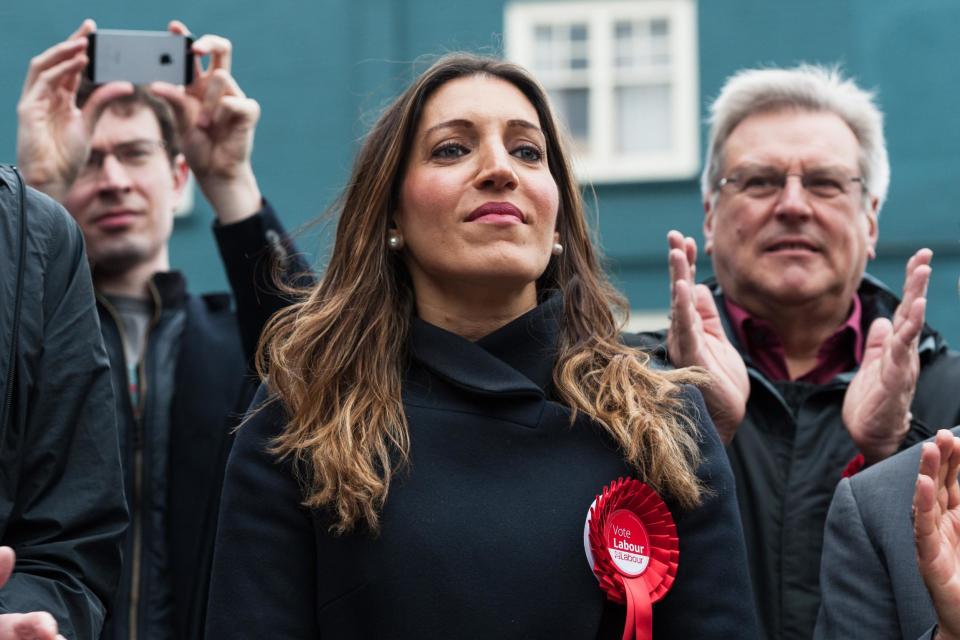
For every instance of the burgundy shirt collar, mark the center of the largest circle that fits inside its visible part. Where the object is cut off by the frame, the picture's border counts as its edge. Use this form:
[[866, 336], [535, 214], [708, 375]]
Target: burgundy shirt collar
[[839, 353]]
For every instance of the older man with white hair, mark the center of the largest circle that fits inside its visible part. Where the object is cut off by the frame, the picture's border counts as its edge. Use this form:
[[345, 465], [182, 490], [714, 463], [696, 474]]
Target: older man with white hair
[[819, 369]]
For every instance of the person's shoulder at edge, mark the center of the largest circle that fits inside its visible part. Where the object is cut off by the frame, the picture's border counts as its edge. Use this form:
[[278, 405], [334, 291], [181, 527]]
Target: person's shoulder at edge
[[899, 468], [46, 218], [653, 343], [265, 420], [53, 230]]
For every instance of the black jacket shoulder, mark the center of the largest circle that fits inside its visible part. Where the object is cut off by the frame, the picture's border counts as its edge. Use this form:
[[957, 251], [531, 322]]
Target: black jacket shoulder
[[58, 442]]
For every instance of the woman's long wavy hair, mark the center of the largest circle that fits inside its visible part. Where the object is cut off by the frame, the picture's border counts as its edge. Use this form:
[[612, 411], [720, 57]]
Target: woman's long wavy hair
[[336, 358]]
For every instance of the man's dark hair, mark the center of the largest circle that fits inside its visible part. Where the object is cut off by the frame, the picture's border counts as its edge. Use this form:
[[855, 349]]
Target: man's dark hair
[[127, 104]]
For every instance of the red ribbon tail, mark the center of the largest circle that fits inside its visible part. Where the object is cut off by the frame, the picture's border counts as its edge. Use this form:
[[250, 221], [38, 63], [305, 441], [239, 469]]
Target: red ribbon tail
[[639, 623]]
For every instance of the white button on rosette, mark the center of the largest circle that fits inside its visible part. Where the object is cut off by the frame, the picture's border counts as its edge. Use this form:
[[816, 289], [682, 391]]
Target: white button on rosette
[[627, 543]]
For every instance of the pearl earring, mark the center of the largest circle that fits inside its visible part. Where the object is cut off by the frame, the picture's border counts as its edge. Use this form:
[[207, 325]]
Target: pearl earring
[[394, 241], [557, 248]]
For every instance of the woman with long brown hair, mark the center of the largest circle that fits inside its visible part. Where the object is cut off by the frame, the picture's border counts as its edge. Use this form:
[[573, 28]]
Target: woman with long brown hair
[[445, 405]]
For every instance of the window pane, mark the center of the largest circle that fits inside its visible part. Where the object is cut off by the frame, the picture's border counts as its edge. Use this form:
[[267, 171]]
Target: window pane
[[644, 118], [641, 43], [578, 46], [659, 42], [572, 107], [561, 47], [622, 43], [543, 47]]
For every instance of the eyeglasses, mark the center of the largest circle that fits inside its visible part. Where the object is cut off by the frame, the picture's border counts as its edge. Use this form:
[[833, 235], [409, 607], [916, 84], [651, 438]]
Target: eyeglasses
[[765, 182], [132, 154]]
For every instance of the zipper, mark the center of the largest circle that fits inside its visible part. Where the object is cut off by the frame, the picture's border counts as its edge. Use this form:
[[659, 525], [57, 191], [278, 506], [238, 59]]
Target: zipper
[[137, 527], [136, 515], [21, 268]]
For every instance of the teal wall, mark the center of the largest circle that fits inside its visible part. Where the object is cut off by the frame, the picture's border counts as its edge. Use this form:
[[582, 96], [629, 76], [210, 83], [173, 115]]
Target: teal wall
[[321, 70]]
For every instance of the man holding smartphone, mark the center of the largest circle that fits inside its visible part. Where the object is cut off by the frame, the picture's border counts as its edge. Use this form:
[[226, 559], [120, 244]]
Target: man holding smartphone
[[118, 159]]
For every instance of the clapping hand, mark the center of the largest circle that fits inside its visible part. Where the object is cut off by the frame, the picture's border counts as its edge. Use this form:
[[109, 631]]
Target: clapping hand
[[696, 338], [876, 408], [936, 507]]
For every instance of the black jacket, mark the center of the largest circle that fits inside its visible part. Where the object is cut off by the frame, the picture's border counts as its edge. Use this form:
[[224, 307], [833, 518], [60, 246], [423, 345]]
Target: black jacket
[[788, 456], [196, 363], [483, 536], [61, 499]]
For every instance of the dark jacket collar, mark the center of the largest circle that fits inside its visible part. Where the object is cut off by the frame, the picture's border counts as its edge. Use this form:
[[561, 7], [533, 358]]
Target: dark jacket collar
[[172, 288], [878, 302], [517, 358]]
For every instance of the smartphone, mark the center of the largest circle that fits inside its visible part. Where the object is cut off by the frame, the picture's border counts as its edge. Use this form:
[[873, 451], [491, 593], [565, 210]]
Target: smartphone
[[140, 57]]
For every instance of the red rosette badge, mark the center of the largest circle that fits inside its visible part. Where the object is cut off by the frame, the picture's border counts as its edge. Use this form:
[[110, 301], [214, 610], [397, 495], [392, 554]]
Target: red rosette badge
[[633, 549]]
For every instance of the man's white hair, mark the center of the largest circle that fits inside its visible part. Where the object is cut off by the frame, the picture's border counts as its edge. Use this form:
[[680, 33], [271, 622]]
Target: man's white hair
[[806, 88]]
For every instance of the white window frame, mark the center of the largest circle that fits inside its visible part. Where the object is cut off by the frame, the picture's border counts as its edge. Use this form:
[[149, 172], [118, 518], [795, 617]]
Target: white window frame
[[603, 163]]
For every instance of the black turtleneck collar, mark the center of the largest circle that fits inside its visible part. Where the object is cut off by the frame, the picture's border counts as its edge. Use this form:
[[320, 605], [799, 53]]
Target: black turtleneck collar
[[517, 358]]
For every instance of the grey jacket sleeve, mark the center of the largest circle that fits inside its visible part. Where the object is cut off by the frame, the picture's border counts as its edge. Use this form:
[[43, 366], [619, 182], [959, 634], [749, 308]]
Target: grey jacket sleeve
[[64, 506], [856, 592]]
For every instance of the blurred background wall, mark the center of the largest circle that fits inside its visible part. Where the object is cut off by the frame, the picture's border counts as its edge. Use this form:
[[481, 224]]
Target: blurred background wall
[[631, 78]]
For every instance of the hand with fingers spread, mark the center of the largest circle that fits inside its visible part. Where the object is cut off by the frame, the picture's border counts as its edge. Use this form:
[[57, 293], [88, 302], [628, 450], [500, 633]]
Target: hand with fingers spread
[[53, 134], [936, 508], [696, 338], [216, 123], [38, 625], [876, 407]]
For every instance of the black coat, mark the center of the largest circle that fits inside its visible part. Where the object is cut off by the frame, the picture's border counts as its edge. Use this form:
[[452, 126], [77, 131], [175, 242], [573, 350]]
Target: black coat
[[61, 497], [483, 536], [788, 456]]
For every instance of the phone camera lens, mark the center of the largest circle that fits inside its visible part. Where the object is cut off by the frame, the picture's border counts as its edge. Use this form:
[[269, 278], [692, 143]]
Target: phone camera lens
[[166, 59]]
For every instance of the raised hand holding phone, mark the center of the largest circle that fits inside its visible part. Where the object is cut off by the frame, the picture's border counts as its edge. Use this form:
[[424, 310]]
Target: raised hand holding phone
[[53, 133], [216, 122]]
